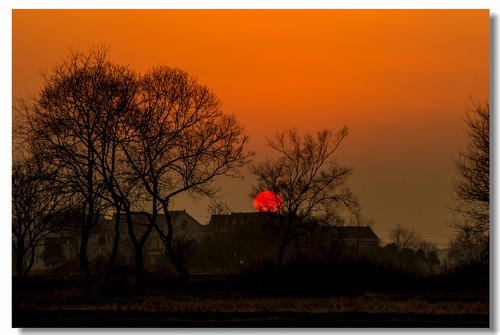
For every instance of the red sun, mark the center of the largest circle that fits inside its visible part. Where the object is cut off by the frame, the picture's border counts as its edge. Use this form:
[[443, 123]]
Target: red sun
[[267, 201]]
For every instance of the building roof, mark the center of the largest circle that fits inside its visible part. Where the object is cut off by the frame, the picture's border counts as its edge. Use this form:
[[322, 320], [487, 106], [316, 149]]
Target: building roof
[[242, 216], [355, 232], [222, 222], [173, 214]]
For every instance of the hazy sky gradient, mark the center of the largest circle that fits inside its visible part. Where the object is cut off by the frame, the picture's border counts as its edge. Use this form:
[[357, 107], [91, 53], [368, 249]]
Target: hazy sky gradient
[[400, 80]]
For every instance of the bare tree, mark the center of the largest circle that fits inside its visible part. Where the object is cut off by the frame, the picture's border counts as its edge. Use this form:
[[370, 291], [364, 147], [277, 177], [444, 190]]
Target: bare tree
[[67, 119], [124, 142], [35, 204], [472, 189], [180, 141], [403, 238], [120, 186], [468, 247], [307, 178], [218, 207]]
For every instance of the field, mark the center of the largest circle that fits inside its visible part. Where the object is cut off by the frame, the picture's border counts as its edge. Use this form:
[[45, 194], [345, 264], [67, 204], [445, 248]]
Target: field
[[60, 304]]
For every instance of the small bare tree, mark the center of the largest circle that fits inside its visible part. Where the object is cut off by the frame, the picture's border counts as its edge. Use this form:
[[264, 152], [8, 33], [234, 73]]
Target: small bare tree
[[403, 237], [218, 207], [472, 189], [468, 247], [307, 178], [35, 204]]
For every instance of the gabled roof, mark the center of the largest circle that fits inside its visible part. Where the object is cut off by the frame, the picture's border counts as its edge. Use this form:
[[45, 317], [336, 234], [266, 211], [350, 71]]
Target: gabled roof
[[241, 216], [161, 216], [355, 232], [223, 222]]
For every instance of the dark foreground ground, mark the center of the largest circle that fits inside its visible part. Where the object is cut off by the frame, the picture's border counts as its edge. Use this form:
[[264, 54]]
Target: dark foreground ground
[[45, 301], [100, 319]]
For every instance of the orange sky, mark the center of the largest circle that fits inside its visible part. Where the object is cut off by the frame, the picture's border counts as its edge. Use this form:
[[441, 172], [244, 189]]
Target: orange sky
[[400, 80]]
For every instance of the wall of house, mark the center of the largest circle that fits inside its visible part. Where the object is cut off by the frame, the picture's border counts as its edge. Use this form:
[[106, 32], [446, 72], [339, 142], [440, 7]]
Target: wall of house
[[102, 238], [238, 241]]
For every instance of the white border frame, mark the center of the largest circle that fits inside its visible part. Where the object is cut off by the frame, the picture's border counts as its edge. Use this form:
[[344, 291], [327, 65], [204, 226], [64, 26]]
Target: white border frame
[[6, 137]]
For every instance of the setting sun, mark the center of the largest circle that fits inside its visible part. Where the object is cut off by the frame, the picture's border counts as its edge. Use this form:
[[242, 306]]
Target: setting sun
[[267, 201]]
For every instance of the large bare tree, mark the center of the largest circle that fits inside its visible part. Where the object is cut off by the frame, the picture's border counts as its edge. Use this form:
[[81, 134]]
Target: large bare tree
[[130, 142], [119, 183], [67, 120], [307, 178], [179, 142]]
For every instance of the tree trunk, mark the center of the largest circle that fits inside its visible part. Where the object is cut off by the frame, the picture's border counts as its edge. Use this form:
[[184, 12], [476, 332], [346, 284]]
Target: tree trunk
[[285, 240], [181, 269], [20, 258], [139, 270], [31, 261], [138, 247], [84, 262], [178, 262], [281, 253], [114, 251]]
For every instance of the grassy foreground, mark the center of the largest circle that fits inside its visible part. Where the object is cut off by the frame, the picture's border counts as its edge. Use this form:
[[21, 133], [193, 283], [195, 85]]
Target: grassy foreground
[[368, 303], [61, 304]]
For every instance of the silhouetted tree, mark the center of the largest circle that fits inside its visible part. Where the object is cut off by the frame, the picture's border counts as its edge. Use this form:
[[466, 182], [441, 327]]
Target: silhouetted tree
[[35, 203], [472, 190], [307, 178], [407, 250], [122, 141], [118, 181], [403, 237], [66, 120], [430, 251], [218, 207], [468, 247], [180, 141]]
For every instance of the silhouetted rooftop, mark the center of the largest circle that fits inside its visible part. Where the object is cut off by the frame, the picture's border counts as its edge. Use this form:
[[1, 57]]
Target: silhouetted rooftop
[[223, 222], [355, 232], [141, 216]]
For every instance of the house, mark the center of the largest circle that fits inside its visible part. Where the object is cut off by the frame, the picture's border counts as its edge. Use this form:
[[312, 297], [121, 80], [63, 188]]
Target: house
[[65, 246], [238, 239], [228, 243], [185, 229], [362, 237], [342, 241], [255, 236]]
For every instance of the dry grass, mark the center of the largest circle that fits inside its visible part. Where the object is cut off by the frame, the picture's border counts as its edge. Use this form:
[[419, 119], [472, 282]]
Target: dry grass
[[373, 303]]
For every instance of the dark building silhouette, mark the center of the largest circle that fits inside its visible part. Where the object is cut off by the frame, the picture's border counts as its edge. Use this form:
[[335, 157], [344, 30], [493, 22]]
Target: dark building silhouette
[[240, 239], [229, 243], [185, 228], [67, 242]]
